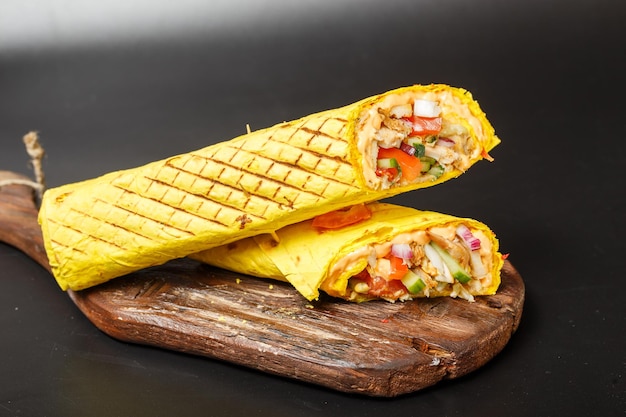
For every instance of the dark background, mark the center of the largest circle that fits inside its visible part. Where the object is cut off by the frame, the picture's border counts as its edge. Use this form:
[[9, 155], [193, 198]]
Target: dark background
[[114, 85]]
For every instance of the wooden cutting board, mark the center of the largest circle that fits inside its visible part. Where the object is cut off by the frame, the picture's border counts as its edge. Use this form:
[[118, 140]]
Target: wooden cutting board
[[375, 348]]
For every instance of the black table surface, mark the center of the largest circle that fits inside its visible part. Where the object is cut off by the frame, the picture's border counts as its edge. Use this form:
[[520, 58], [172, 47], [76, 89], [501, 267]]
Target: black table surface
[[120, 84]]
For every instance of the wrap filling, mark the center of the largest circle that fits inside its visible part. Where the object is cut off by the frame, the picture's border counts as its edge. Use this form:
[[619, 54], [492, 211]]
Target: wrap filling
[[415, 137], [443, 260]]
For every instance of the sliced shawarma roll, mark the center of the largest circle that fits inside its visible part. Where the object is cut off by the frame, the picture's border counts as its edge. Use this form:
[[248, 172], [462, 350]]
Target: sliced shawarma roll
[[401, 140], [390, 252]]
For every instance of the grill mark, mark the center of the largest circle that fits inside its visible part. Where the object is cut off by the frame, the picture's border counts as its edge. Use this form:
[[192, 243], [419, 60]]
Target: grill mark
[[156, 180], [245, 192], [344, 193], [188, 223], [133, 232], [263, 178], [323, 123], [72, 248], [343, 122], [264, 211], [207, 159], [99, 239], [201, 196], [290, 203], [319, 155], [132, 213], [288, 165], [175, 176], [277, 191], [234, 155], [186, 160], [208, 192], [215, 182], [326, 187], [316, 133]]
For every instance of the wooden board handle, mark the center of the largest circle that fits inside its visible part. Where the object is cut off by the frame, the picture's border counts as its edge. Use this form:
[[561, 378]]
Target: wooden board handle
[[18, 218]]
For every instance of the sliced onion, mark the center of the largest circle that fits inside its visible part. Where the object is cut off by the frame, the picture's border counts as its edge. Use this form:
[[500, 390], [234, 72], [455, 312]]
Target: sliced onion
[[402, 250], [433, 257], [406, 148], [478, 269], [446, 142], [434, 152], [426, 108], [472, 242], [437, 262], [371, 259]]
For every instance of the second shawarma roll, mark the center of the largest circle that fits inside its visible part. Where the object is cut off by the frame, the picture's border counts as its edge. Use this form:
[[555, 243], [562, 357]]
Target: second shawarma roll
[[402, 140], [375, 251]]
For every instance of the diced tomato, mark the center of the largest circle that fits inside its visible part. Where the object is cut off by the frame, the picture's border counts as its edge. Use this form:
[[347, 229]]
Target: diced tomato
[[424, 125], [341, 218], [362, 276], [380, 287], [410, 165], [390, 173], [398, 268]]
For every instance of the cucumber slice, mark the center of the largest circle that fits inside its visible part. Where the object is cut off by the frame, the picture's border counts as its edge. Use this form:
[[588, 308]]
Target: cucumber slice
[[436, 171], [457, 271], [427, 163], [387, 163], [413, 282], [420, 150]]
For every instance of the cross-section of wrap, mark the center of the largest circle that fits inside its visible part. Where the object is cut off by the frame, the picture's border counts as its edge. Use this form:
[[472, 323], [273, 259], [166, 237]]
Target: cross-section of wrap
[[398, 253], [384, 145]]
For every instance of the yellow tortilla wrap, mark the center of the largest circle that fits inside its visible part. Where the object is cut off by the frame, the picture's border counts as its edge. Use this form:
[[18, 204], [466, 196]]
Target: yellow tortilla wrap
[[312, 259], [124, 221]]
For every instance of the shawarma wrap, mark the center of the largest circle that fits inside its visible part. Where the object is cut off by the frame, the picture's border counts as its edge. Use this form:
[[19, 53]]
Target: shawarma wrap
[[401, 140], [398, 253]]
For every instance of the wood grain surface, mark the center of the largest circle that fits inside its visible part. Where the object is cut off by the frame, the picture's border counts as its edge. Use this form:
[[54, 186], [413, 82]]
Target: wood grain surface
[[376, 348]]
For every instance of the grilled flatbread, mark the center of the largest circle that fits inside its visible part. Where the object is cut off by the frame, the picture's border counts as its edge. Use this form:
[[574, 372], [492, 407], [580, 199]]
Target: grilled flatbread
[[398, 253], [402, 140]]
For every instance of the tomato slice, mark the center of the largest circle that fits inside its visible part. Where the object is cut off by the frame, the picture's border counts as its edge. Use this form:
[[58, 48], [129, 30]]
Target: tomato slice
[[398, 268], [341, 218], [424, 125], [409, 165]]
